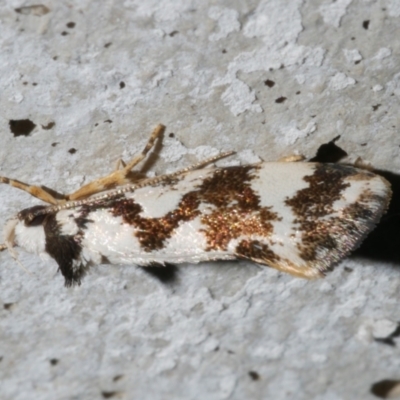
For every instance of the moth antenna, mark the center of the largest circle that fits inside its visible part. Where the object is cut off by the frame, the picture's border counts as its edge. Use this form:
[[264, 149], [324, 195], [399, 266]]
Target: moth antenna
[[128, 188]]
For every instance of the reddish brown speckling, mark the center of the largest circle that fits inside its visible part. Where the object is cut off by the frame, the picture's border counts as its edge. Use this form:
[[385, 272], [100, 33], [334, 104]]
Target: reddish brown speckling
[[234, 210]]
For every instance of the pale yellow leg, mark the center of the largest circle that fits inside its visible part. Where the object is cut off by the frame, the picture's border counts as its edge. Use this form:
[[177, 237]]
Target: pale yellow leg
[[36, 191], [118, 177], [292, 158]]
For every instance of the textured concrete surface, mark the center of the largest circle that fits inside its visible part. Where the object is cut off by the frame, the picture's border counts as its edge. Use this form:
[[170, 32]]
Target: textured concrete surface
[[267, 78]]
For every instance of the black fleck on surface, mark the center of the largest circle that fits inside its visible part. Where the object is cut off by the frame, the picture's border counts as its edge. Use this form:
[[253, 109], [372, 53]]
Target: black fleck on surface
[[49, 125], [269, 83], [72, 151], [280, 100], [21, 127], [383, 389], [71, 25], [53, 361], [121, 85], [254, 375], [108, 394], [376, 106], [365, 24]]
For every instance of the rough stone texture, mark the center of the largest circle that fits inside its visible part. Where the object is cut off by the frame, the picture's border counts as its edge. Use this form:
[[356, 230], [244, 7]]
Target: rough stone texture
[[267, 78]]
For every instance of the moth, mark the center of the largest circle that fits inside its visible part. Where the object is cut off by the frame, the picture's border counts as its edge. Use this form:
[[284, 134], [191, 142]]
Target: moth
[[298, 217]]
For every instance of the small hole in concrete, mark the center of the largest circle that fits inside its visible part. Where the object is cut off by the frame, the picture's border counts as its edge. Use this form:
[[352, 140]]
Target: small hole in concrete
[[254, 375], [108, 395], [269, 83], [386, 389], [49, 125], [280, 100], [21, 127]]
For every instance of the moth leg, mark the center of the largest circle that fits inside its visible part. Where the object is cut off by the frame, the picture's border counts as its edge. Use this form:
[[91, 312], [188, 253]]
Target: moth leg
[[292, 158], [119, 176], [121, 164], [36, 191]]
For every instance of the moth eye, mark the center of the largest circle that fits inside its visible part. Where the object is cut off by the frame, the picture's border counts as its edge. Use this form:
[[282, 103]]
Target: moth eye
[[32, 220], [29, 216]]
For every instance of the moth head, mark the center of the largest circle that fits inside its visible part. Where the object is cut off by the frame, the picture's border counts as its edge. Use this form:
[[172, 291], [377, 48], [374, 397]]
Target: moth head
[[26, 230]]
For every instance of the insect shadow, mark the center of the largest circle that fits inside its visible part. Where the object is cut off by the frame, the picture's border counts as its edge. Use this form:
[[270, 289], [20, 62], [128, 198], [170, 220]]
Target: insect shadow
[[383, 243]]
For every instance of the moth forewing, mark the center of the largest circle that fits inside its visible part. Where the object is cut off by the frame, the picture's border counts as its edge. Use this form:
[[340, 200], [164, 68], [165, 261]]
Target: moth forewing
[[298, 217]]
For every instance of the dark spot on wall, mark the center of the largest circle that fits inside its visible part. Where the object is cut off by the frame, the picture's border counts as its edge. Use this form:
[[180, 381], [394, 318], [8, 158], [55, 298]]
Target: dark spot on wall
[[365, 24], [108, 395], [376, 106], [384, 389], [173, 33], [171, 135], [108, 121], [8, 306], [71, 25], [269, 83], [72, 151], [34, 84], [280, 100], [25, 83], [223, 51], [298, 92], [49, 125], [64, 33], [54, 144], [357, 62], [21, 127], [107, 45], [353, 38], [121, 85], [254, 375], [117, 377], [53, 361]]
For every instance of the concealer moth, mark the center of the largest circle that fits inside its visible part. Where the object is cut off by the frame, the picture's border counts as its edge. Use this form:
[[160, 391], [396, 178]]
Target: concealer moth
[[298, 217]]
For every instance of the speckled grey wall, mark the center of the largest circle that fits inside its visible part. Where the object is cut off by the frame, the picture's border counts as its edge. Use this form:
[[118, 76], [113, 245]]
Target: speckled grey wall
[[267, 78]]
